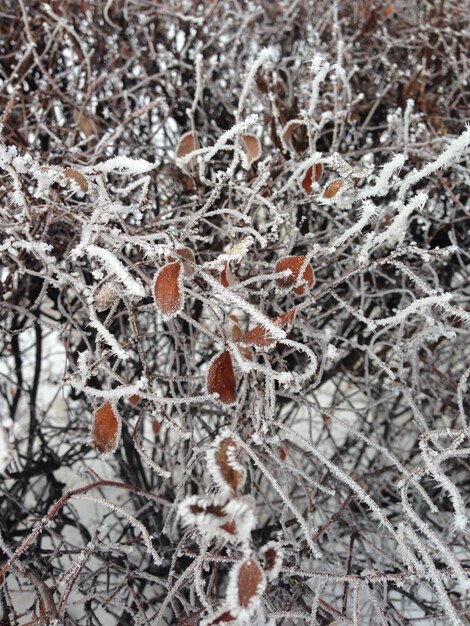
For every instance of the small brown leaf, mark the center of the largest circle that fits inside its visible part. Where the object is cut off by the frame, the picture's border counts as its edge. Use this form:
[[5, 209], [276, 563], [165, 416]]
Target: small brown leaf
[[134, 399], [218, 512], [333, 188], [288, 130], [237, 332], [106, 429], [156, 426], [86, 124], [250, 582], [272, 556], [287, 318], [221, 378], [253, 147], [261, 337], [187, 144], [228, 469], [226, 277], [294, 134], [238, 335], [77, 177], [168, 289], [269, 558], [312, 175], [188, 260], [294, 264]]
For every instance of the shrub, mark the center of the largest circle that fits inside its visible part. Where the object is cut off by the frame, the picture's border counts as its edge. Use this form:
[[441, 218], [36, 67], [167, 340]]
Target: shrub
[[235, 313]]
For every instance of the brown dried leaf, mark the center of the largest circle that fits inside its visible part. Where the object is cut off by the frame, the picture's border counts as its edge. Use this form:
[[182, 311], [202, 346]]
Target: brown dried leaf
[[232, 476], [188, 260], [253, 147], [86, 124], [250, 582], [312, 175], [269, 558], [294, 134], [221, 378], [294, 264], [212, 509], [77, 177], [226, 277], [272, 556], [187, 144], [168, 289], [333, 188], [288, 131], [106, 429], [261, 337]]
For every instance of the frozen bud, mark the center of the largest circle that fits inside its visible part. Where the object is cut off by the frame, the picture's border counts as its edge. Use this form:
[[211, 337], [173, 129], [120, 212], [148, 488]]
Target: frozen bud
[[105, 297]]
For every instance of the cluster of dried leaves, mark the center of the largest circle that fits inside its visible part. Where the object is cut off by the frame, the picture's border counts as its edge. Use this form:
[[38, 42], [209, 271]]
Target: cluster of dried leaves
[[235, 357]]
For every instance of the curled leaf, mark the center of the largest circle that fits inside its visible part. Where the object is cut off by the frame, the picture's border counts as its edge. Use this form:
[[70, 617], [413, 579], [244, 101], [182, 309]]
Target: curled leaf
[[106, 429], [186, 255], [237, 332], [216, 516], [221, 378], [294, 264], [226, 276], [168, 289], [237, 336], [253, 147], [312, 175], [223, 465], [293, 133], [187, 144], [271, 556], [333, 188]]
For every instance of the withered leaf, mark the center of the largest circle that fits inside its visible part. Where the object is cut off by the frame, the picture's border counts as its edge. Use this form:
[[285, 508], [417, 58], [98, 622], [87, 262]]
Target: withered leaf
[[250, 582], [312, 175], [333, 188], [188, 259], [223, 458], [253, 147], [77, 177], [294, 264], [187, 144], [221, 378], [168, 289], [261, 337], [106, 429]]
